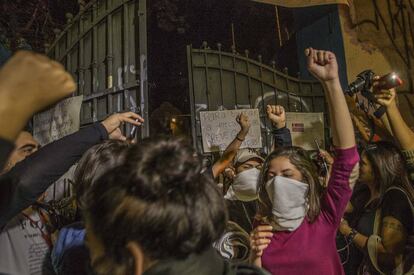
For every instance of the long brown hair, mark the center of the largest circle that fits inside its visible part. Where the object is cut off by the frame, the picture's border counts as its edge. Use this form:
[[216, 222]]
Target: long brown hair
[[388, 167], [302, 161]]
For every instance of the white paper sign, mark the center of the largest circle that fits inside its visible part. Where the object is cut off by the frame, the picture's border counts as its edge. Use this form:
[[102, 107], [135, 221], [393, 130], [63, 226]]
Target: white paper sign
[[305, 128], [62, 188], [219, 129], [59, 121]]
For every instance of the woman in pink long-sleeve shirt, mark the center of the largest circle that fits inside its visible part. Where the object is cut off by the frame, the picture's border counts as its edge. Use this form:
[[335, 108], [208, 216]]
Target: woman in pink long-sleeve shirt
[[297, 221]]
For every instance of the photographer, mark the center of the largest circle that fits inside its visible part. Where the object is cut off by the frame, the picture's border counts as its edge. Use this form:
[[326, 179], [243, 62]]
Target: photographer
[[400, 130]]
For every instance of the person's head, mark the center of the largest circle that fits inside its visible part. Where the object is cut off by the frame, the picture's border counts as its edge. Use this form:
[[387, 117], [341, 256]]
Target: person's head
[[245, 176], [95, 162], [292, 163], [155, 206], [247, 159], [382, 166], [25, 145]]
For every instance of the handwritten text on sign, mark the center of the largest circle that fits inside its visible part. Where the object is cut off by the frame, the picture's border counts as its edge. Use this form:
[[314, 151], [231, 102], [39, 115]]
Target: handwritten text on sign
[[59, 121], [219, 129]]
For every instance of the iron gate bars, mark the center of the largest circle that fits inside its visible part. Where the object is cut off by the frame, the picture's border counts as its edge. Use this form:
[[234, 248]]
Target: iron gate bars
[[221, 80], [104, 47]]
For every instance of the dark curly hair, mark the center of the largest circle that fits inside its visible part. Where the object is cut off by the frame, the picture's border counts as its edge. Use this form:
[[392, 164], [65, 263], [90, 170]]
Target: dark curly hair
[[159, 199]]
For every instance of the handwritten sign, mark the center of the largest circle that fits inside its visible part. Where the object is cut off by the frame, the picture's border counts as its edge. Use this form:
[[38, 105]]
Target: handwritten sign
[[57, 122], [305, 128], [219, 129]]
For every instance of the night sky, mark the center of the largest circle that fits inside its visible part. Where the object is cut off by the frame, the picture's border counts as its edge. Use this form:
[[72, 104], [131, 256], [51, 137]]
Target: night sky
[[172, 25], [210, 21]]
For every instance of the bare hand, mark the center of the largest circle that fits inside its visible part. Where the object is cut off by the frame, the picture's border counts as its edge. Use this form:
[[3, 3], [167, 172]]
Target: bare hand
[[260, 239], [277, 115], [113, 123], [344, 227], [322, 64], [385, 98], [327, 157], [30, 82], [244, 122]]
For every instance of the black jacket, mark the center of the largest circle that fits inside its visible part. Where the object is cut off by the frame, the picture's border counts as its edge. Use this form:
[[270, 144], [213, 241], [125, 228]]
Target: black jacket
[[21, 186], [282, 137], [6, 147]]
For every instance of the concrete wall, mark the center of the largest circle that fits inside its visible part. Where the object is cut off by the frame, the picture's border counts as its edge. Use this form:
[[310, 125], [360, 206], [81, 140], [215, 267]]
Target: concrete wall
[[378, 45]]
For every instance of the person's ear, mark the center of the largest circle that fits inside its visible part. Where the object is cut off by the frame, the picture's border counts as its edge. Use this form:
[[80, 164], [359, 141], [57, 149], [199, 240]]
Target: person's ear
[[138, 256]]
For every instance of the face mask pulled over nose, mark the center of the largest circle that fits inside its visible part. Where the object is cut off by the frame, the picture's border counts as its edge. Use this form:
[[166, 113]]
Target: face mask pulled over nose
[[289, 203], [244, 186]]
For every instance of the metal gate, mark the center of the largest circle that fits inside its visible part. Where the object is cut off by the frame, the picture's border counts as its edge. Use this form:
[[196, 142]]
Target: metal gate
[[105, 49], [220, 80]]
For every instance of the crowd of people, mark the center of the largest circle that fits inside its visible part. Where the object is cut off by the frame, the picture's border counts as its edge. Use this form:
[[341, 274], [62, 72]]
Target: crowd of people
[[153, 207]]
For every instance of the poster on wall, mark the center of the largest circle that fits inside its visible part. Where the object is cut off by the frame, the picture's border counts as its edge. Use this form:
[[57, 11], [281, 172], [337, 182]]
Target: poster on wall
[[305, 128], [219, 129], [61, 120]]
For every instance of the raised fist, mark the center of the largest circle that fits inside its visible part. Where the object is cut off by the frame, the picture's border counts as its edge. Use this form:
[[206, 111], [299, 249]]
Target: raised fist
[[244, 122], [322, 64], [32, 82], [277, 115]]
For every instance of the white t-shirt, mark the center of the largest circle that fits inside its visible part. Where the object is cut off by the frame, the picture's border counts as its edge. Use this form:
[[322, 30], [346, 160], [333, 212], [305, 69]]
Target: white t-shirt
[[22, 247]]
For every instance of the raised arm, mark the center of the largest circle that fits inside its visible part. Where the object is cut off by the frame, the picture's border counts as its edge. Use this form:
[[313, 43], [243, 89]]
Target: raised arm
[[231, 150], [323, 65], [402, 133], [277, 115], [31, 177], [29, 82]]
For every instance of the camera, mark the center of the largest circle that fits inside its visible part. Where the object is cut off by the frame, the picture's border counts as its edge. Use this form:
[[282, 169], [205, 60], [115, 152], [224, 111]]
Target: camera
[[363, 85]]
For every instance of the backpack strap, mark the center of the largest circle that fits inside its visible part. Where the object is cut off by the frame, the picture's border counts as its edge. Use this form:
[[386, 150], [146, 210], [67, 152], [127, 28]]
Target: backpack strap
[[406, 195], [374, 240]]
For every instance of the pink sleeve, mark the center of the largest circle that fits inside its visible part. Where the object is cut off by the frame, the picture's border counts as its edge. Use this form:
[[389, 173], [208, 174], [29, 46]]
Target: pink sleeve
[[339, 192]]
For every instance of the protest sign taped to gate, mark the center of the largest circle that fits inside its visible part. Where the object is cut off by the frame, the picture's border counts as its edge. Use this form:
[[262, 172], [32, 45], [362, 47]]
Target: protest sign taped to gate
[[219, 129], [305, 128], [61, 120]]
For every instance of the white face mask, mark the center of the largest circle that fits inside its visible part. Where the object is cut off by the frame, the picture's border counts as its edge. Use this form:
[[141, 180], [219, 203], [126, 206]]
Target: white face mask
[[289, 203], [244, 187]]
